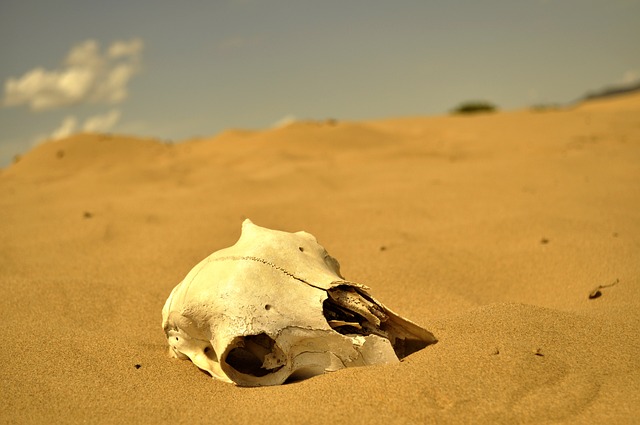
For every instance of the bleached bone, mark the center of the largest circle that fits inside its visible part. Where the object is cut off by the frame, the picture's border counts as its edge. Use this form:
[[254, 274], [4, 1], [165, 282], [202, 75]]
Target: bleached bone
[[274, 307]]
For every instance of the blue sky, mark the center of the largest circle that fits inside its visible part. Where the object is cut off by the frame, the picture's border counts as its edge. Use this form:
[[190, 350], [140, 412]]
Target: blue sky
[[181, 69]]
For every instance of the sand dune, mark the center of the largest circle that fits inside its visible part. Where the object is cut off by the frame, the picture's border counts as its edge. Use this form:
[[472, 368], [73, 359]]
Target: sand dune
[[490, 231]]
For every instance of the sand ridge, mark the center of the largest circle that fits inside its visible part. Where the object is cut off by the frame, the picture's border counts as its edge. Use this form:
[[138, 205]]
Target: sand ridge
[[490, 231]]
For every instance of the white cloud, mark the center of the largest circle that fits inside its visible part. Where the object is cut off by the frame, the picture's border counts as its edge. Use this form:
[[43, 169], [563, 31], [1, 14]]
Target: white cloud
[[94, 124], [66, 128], [87, 76], [101, 123], [85, 54], [630, 77], [284, 121], [131, 48]]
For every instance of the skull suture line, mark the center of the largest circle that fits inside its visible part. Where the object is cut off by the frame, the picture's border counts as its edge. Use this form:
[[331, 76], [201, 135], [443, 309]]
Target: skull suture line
[[274, 306]]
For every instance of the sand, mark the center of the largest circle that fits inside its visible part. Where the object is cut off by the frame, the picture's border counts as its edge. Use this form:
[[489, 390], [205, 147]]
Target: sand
[[491, 231]]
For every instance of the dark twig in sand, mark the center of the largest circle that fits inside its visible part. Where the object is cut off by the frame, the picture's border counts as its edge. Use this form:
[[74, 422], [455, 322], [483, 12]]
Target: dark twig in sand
[[597, 293]]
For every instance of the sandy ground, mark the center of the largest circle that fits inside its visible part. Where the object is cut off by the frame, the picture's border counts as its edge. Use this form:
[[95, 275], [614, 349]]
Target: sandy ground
[[490, 231]]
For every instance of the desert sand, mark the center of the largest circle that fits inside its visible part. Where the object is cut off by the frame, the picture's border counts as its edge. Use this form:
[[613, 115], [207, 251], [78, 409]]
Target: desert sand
[[491, 231]]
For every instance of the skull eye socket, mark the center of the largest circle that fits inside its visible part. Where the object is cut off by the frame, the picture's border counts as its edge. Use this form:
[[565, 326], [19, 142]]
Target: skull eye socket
[[256, 355]]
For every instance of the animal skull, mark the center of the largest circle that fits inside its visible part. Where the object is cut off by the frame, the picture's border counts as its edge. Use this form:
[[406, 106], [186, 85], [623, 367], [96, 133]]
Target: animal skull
[[274, 306]]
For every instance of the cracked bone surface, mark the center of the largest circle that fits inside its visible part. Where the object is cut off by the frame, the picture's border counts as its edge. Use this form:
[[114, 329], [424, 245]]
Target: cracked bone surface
[[273, 307]]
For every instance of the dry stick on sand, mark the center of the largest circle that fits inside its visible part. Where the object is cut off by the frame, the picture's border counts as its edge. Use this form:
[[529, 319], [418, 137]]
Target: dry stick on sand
[[597, 293]]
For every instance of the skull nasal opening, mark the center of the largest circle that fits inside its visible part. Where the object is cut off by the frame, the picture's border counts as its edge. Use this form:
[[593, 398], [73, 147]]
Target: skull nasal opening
[[349, 311], [255, 355]]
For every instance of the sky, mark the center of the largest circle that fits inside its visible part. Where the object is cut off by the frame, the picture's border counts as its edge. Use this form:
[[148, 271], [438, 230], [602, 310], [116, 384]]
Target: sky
[[176, 70]]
